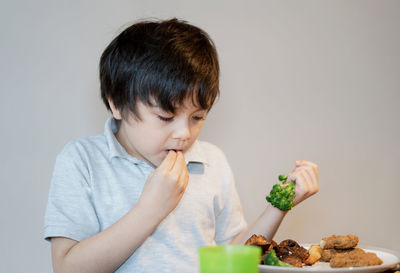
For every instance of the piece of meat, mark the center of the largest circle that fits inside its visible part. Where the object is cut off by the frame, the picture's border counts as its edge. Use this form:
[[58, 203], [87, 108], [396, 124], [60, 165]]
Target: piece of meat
[[289, 251], [339, 242], [293, 260], [291, 247], [328, 254], [301, 252], [273, 245], [282, 251], [257, 240], [355, 259], [261, 241], [289, 243]]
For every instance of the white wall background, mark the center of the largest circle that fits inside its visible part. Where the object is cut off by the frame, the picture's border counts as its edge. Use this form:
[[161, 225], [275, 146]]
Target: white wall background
[[317, 80]]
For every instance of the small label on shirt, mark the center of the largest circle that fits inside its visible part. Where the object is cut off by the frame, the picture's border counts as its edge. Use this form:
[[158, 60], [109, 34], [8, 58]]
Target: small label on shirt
[[195, 167]]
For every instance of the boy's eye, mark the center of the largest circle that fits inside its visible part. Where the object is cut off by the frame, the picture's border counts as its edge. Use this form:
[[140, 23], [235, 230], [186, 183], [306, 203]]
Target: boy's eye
[[198, 118], [166, 119]]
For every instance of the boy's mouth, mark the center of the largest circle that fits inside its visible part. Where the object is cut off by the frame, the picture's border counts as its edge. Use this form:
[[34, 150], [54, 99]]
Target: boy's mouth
[[175, 150]]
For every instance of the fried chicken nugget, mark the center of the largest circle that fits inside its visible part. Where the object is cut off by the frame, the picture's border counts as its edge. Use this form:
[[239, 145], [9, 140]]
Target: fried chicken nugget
[[328, 254], [315, 252], [355, 259], [339, 242]]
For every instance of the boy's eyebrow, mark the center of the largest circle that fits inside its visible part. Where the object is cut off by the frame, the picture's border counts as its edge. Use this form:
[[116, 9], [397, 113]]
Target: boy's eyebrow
[[157, 107], [179, 106]]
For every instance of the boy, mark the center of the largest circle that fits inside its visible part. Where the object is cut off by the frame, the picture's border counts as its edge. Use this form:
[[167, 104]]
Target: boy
[[147, 194]]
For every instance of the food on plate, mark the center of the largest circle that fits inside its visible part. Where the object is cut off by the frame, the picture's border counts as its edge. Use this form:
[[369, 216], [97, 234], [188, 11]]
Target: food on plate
[[338, 251], [315, 252], [293, 260], [328, 254], [355, 259], [281, 196], [341, 251], [261, 241], [288, 251], [290, 248], [339, 242], [272, 259]]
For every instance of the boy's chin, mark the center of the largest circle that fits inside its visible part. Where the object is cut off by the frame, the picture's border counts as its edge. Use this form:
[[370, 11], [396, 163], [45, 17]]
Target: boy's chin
[[156, 162]]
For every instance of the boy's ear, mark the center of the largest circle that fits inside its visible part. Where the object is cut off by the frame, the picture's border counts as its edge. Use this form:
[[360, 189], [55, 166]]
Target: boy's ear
[[115, 112]]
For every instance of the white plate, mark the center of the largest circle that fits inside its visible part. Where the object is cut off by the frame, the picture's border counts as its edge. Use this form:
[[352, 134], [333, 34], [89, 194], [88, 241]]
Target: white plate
[[389, 258]]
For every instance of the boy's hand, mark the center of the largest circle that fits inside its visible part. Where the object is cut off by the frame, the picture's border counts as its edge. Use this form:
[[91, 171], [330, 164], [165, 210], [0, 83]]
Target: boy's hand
[[165, 186], [306, 176]]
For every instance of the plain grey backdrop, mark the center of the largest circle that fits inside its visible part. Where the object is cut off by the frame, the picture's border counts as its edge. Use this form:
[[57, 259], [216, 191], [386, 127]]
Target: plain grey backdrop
[[316, 80]]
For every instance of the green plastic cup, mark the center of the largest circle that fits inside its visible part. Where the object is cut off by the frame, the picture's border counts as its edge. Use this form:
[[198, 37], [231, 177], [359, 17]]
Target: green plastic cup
[[229, 259]]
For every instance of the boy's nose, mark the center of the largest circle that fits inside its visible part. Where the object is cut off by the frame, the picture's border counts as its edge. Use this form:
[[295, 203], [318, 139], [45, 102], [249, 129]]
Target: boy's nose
[[182, 131]]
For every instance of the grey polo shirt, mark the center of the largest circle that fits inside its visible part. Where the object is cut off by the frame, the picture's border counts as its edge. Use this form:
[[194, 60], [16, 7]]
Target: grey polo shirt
[[96, 182]]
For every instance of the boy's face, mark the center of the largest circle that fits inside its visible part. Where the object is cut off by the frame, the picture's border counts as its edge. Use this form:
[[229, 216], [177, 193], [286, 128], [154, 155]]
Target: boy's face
[[157, 132]]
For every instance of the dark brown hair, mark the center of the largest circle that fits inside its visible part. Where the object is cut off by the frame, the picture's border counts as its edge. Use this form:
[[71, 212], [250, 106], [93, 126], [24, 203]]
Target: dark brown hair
[[163, 62]]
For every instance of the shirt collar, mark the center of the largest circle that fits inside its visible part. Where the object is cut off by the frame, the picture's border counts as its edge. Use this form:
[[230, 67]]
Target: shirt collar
[[194, 154], [116, 150]]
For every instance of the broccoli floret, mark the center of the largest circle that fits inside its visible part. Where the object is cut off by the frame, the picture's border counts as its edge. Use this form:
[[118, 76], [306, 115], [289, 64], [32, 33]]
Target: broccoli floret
[[283, 177], [282, 195], [272, 259]]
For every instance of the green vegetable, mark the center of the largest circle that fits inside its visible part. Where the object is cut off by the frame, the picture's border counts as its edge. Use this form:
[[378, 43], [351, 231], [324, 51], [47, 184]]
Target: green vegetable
[[272, 259], [283, 177], [282, 195]]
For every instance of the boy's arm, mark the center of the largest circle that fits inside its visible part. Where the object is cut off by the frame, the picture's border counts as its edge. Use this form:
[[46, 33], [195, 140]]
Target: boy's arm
[[107, 250], [306, 176], [266, 224]]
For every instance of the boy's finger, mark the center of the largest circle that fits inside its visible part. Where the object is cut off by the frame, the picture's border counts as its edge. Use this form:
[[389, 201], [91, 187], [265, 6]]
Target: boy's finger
[[184, 175], [296, 175], [311, 168], [168, 161], [179, 165], [291, 177], [314, 176], [184, 178], [304, 163]]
